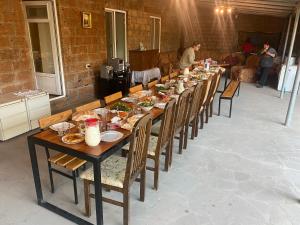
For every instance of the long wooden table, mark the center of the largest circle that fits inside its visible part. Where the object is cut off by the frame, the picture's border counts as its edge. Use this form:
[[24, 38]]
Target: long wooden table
[[95, 155]]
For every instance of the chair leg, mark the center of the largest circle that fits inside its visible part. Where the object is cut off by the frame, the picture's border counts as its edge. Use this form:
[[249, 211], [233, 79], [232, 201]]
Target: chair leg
[[126, 208], [239, 89], [75, 186], [219, 110], [181, 141], [156, 173], [167, 158], [193, 131], [87, 198], [197, 125], [50, 170], [143, 185], [211, 106], [202, 119], [186, 136], [171, 152], [206, 114]]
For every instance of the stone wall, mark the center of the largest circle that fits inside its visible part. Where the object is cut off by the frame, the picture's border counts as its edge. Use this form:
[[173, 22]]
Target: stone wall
[[15, 56]]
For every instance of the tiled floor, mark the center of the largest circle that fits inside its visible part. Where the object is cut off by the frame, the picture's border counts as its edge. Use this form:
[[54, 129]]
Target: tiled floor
[[239, 171]]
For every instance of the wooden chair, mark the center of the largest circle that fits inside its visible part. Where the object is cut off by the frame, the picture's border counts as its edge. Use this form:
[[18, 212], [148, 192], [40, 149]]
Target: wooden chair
[[192, 116], [89, 106], [152, 84], [111, 98], [212, 91], [164, 79], [173, 75], [161, 141], [119, 173], [204, 96], [136, 88], [181, 112], [65, 161]]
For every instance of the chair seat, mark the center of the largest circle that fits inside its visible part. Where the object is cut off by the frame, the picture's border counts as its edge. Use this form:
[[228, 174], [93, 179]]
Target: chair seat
[[155, 129], [113, 171], [151, 148]]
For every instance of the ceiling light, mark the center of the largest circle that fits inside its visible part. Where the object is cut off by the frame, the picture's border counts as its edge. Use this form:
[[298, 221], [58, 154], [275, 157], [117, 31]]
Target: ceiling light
[[217, 10], [222, 11], [229, 10]]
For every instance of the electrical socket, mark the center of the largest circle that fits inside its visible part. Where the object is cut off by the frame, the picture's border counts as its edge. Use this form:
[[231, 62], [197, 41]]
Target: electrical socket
[[88, 66]]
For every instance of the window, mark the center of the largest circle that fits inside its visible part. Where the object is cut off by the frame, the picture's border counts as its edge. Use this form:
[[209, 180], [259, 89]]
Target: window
[[116, 40], [43, 34], [155, 32]]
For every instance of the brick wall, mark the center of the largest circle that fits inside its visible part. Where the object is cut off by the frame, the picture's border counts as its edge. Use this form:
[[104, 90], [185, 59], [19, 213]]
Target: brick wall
[[15, 58], [80, 47]]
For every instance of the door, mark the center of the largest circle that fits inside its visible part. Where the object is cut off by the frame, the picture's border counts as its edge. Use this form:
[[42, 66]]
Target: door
[[43, 38]]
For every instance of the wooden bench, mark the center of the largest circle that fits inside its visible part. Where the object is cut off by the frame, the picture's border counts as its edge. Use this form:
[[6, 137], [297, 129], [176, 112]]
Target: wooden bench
[[229, 93]]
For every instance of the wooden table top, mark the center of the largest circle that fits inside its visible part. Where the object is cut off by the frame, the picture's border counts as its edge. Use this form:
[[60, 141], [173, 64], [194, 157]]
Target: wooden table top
[[51, 136]]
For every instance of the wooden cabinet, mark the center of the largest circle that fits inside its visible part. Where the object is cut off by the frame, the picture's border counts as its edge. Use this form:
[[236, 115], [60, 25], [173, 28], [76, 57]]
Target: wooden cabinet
[[143, 60]]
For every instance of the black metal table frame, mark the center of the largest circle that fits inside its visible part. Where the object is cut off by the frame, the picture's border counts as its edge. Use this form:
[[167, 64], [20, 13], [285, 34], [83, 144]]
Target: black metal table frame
[[96, 161]]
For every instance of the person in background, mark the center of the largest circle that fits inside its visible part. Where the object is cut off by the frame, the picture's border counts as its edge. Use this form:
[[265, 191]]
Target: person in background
[[266, 63], [188, 56], [247, 48]]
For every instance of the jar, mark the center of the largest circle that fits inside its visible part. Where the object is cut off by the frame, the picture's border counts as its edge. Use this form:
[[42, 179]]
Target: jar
[[92, 132]]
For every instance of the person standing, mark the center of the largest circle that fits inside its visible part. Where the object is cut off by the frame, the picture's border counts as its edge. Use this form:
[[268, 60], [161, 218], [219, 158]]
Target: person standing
[[188, 56], [266, 63]]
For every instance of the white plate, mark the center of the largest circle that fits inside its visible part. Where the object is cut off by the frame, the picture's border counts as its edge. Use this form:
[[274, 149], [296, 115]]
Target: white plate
[[160, 105], [63, 126], [128, 99], [111, 136]]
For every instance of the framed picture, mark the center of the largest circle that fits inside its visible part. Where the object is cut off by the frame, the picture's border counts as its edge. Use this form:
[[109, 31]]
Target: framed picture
[[86, 20]]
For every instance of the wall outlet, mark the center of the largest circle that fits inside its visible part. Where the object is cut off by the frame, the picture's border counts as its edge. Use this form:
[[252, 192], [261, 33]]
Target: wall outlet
[[88, 66]]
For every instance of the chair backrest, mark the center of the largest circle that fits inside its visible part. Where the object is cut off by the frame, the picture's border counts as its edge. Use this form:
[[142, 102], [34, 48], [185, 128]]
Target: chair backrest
[[217, 83], [173, 75], [138, 149], [56, 118], [195, 102], [110, 98], [166, 127], [89, 106], [136, 88], [181, 111], [164, 79], [213, 87], [205, 91], [152, 84]]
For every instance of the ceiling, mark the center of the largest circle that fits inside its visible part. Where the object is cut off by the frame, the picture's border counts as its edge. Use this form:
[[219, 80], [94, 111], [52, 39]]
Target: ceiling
[[278, 8]]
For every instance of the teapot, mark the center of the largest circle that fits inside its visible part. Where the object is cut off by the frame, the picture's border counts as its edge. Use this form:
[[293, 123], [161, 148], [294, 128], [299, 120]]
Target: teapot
[[180, 87]]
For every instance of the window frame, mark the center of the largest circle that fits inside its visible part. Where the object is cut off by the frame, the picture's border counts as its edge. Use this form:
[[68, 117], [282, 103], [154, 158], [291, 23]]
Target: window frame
[[153, 18], [113, 11]]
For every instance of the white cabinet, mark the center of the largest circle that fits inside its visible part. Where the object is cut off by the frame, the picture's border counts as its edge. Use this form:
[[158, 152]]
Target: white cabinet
[[19, 114], [13, 118]]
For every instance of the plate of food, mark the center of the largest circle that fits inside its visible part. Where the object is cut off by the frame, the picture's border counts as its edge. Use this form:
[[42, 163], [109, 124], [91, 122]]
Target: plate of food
[[121, 106], [141, 94], [62, 127], [160, 105], [162, 88], [128, 99], [146, 105], [131, 121], [72, 139], [111, 136]]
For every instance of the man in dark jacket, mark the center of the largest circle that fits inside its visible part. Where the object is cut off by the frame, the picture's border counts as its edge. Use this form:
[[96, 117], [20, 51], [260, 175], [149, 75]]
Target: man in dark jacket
[[266, 63]]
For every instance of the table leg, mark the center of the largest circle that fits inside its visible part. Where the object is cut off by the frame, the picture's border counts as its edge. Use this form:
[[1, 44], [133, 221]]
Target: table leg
[[98, 192], [35, 171]]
